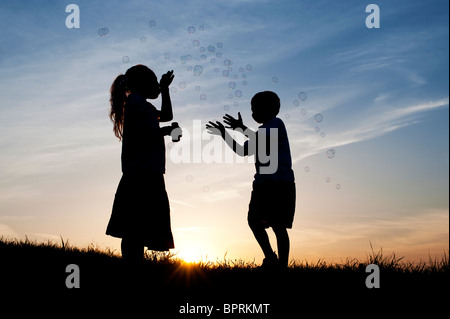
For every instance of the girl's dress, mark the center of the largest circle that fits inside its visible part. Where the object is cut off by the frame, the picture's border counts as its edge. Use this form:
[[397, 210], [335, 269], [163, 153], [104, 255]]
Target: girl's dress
[[141, 208]]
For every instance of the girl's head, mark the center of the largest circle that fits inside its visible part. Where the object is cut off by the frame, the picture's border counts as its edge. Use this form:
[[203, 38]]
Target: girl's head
[[138, 79], [265, 106]]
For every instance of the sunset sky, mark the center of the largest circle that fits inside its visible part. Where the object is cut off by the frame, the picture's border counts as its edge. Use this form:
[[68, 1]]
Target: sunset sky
[[367, 113]]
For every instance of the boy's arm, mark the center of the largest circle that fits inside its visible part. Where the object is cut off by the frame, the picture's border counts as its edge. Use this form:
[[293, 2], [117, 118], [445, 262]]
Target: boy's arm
[[238, 124], [166, 113], [217, 128]]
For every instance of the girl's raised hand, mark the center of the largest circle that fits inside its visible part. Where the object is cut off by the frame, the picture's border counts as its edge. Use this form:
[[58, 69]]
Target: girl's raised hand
[[166, 80]]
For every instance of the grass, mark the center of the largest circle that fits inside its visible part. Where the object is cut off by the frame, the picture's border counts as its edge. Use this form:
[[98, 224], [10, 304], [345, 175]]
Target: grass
[[32, 267]]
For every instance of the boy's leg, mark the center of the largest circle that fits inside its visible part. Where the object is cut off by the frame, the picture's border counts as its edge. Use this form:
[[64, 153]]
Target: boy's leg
[[283, 245], [262, 238]]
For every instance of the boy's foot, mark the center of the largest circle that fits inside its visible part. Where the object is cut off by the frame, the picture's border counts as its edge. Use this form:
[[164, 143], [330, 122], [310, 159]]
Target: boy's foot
[[271, 262]]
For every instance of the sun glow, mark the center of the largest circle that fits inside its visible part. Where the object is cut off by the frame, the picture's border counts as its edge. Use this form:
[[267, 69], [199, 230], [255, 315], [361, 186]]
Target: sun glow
[[191, 255]]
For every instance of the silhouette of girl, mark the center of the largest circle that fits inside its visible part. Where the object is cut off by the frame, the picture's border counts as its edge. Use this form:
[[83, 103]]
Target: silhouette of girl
[[141, 212]]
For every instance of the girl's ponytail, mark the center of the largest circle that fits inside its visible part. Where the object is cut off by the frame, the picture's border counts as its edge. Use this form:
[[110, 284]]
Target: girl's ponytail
[[118, 96]]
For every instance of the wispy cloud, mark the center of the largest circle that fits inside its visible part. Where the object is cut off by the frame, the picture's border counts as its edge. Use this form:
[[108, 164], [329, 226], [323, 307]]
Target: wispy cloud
[[384, 121]]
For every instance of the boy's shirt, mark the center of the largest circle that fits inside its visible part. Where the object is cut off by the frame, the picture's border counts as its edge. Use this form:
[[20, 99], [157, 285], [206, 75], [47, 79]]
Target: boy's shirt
[[283, 170]]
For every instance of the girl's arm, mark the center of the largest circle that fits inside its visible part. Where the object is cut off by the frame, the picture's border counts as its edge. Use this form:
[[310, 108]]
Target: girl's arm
[[166, 113]]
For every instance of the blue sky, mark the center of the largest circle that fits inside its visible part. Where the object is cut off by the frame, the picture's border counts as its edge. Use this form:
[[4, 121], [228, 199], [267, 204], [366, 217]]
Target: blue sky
[[383, 95]]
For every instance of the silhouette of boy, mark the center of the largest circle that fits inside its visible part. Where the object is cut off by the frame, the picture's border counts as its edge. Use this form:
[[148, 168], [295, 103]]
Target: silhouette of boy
[[272, 201]]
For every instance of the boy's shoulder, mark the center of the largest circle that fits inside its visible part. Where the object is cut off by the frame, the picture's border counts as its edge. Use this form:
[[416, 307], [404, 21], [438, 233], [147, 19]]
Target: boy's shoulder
[[274, 123]]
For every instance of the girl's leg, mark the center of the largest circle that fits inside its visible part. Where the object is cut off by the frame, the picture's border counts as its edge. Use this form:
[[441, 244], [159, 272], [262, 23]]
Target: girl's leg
[[283, 245], [132, 250], [262, 238]]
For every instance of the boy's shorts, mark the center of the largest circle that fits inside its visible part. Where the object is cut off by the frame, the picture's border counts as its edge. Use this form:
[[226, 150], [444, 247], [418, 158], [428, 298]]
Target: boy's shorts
[[272, 204]]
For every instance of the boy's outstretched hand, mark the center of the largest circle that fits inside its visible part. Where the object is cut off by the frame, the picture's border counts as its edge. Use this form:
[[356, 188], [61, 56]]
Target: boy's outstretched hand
[[166, 80], [216, 128], [234, 123]]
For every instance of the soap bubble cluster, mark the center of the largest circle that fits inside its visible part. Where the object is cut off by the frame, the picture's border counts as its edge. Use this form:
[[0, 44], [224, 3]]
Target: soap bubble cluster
[[198, 70], [302, 96], [103, 32], [331, 153], [318, 118]]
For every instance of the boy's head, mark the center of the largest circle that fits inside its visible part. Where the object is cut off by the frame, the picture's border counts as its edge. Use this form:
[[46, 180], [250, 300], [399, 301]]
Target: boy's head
[[265, 106]]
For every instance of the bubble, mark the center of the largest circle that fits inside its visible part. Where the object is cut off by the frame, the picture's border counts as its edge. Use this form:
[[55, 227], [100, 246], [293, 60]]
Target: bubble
[[201, 28], [302, 96], [203, 97], [219, 55], [227, 62], [327, 180], [202, 49], [188, 57], [226, 108], [183, 59], [143, 39], [191, 29], [318, 118], [216, 70], [211, 48], [173, 89], [103, 32], [152, 23], [189, 178], [241, 69], [226, 73], [323, 134], [331, 153], [195, 43], [125, 59], [182, 85], [307, 169], [235, 77], [303, 111], [167, 56], [287, 116], [338, 186], [238, 93], [274, 80], [249, 67], [219, 45], [198, 69], [244, 76], [189, 68], [244, 83], [197, 88], [317, 129], [232, 85], [230, 96], [203, 57], [296, 102], [213, 60]]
